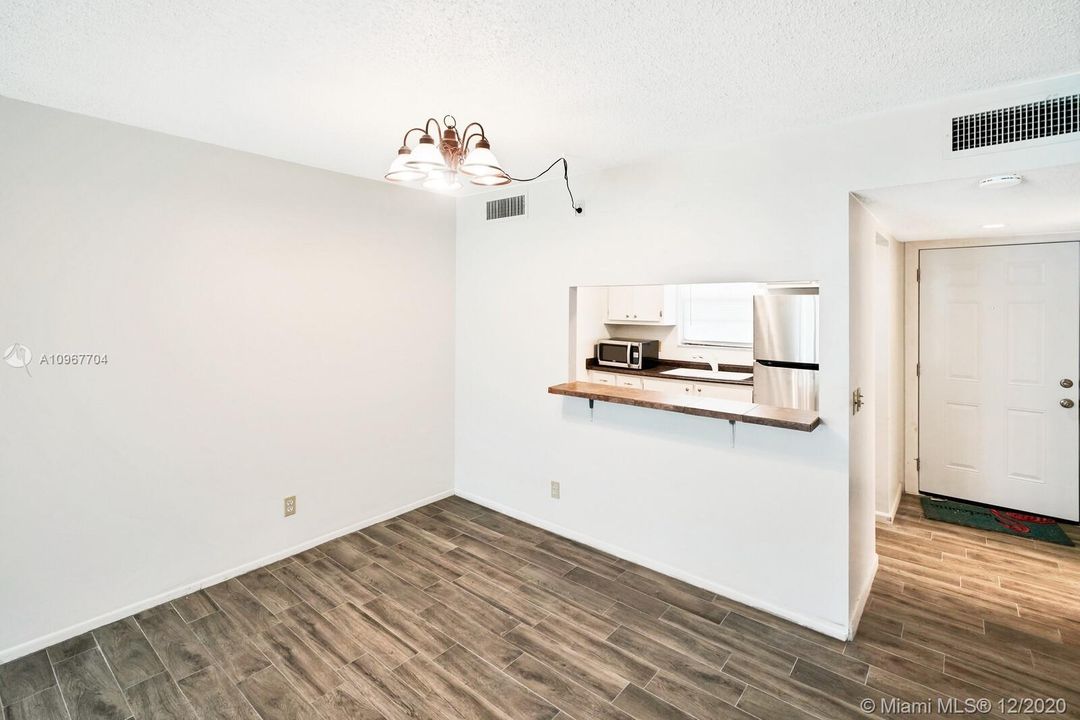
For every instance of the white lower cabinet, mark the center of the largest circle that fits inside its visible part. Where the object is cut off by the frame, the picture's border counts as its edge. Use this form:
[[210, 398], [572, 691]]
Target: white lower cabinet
[[667, 386], [723, 391]]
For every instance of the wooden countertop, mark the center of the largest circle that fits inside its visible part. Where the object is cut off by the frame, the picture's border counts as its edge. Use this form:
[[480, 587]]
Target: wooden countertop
[[802, 420]]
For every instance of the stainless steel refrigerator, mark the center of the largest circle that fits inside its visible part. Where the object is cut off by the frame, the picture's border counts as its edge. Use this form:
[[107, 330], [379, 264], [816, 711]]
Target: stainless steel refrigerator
[[786, 349]]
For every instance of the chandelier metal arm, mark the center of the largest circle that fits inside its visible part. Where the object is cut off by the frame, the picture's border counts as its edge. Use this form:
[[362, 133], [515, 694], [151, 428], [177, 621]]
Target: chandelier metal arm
[[405, 138], [465, 145], [465, 132], [427, 125]]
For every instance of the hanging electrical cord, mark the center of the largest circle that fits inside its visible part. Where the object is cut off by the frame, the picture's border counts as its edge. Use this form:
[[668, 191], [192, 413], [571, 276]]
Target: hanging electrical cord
[[566, 178]]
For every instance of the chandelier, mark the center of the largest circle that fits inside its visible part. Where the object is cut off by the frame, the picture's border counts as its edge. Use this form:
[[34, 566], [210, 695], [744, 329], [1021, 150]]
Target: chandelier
[[440, 166]]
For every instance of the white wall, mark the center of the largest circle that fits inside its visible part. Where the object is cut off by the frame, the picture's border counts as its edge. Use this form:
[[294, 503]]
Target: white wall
[[877, 324], [889, 362], [772, 520], [588, 309], [861, 468], [260, 320]]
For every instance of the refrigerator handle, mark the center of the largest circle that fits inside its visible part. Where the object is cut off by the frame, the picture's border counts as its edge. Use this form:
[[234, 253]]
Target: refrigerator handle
[[791, 365]]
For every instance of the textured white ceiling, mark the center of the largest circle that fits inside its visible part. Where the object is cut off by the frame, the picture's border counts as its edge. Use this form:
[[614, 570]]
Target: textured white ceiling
[[1048, 201], [334, 83]]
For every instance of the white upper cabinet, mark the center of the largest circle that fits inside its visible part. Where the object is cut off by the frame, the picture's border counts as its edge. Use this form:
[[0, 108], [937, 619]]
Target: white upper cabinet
[[620, 304], [649, 303], [641, 305]]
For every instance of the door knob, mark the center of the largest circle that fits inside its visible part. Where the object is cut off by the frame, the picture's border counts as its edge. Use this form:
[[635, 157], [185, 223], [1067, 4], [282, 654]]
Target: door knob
[[1067, 403], [1066, 383]]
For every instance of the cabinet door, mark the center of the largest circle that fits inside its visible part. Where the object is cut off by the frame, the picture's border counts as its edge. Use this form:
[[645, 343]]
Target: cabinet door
[[671, 387], [648, 303], [722, 391], [602, 377], [620, 303], [628, 381]]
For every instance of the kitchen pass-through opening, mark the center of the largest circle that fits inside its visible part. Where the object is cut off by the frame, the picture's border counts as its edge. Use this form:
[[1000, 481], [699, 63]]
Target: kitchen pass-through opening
[[754, 342]]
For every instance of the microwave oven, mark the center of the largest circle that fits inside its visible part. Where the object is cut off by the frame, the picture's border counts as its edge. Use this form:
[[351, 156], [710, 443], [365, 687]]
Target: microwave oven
[[627, 353]]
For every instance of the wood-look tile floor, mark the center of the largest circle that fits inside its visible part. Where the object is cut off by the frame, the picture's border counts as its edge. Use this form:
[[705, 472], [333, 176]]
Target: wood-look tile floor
[[454, 611]]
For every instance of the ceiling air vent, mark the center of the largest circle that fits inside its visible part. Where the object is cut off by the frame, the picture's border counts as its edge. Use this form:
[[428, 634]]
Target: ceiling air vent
[[1019, 123], [505, 208]]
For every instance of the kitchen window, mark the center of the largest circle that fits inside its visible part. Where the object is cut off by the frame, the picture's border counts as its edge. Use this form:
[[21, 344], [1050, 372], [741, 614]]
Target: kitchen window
[[718, 314]]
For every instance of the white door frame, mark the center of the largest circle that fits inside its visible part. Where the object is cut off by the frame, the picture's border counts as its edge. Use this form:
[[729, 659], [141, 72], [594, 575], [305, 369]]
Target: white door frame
[[911, 332]]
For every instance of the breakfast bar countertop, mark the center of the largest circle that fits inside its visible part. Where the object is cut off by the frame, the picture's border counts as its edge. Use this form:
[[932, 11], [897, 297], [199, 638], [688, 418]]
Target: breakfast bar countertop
[[732, 410]]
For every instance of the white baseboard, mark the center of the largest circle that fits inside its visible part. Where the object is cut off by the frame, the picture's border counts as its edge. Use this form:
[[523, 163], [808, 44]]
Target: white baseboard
[[891, 515], [119, 614], [836, 630], [860, 602]]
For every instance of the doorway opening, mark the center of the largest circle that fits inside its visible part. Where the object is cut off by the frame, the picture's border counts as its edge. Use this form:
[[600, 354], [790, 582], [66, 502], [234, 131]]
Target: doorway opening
[[965, 342]]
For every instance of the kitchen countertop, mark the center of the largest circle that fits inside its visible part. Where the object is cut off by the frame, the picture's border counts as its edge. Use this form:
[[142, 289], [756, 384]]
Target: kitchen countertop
[[658, 370], [733, 410]]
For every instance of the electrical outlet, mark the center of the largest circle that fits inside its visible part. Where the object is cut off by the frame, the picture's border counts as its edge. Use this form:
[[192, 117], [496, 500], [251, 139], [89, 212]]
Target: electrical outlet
[[555, 489], [290, 505]]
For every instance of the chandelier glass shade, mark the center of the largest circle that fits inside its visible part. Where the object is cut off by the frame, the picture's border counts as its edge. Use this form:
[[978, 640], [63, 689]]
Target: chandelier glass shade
[[426, 156], [400, 171], [481, 161], [441, 165], [492, 180]]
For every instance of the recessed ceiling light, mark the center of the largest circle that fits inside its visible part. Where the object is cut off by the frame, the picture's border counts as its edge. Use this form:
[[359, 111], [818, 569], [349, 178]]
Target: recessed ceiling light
[[1001, 181], [993, 226]]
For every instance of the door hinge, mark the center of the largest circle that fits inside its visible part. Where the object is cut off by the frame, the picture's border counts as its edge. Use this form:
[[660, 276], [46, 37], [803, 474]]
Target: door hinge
[[918, 369], [918, 464], [918, 274], [856, 401]]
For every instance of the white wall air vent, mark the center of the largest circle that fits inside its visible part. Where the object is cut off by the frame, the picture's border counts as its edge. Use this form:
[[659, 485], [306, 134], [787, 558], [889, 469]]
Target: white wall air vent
[[1045, 120], [506, 208]]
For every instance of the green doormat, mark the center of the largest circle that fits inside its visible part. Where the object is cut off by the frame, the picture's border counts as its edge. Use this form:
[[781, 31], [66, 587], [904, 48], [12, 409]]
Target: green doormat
[[1004, 521]]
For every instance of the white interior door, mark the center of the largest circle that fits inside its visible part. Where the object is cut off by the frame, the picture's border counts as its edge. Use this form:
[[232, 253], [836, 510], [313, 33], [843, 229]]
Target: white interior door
[[999, 341]]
